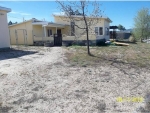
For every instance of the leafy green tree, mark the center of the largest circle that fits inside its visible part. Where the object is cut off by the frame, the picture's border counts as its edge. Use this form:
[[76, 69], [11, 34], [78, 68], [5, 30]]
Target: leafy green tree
[[142, 24], [120, 27], [10, 23]]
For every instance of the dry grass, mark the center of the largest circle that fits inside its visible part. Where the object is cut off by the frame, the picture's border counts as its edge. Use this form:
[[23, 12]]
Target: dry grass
[[134, 54]]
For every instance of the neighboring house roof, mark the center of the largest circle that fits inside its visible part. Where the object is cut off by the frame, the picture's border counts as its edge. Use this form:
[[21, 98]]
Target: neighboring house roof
[[130, 30], [113, 27], [56, 24], [5, 9], [78, 16], [45, 23], [33, 20], [40, 23]]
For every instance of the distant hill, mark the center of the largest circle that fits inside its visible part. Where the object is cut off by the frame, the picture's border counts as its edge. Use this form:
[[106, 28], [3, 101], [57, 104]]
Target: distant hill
[[129, 30]]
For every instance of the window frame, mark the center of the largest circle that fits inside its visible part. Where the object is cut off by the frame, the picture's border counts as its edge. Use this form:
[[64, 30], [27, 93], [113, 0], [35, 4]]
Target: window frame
[[99, 31], [96, 30], [72, 25], [49, 32], [106, 31]]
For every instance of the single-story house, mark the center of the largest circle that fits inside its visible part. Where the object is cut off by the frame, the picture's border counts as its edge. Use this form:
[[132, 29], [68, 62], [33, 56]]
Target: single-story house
[[4, 31], [31, 31]]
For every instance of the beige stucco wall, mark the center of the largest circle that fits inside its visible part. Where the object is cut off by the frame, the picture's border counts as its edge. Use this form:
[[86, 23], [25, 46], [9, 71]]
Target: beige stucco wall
[[79, 32], [83, 37], [27, 26], [66, 30], [105, 24], [53, 30], [43, 39], [38, 30], [4, 32], [61, 20]]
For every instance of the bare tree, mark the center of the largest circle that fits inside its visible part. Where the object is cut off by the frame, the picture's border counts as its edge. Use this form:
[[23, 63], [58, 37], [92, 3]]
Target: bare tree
[[81, 16]]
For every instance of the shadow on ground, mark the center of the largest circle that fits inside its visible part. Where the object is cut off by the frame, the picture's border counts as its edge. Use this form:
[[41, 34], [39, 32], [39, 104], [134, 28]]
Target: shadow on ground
[[146, 108], [14, 53], [5, 109]]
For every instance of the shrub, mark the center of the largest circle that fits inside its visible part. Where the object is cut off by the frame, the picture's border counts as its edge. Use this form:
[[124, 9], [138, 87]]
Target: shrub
[[132, 39], [101, 42]]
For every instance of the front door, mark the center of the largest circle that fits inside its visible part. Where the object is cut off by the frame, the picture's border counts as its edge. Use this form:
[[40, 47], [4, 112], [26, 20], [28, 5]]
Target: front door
[[58, 31], [58, 38]]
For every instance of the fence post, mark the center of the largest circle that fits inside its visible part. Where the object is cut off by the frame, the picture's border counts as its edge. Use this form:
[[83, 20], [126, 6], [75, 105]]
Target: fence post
[[26, 38], [16, 38], [10, 38], [32, 37]]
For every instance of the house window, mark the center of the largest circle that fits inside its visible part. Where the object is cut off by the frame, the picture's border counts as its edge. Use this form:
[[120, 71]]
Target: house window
[[49, 32], [106, 31], [96, 30], [99, 30], [72, 29]]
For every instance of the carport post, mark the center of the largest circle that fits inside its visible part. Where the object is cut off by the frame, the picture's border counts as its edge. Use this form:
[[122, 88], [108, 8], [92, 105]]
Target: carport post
[[44, 31], [32, 36], [16, 37], [10, 39], [24, 38]]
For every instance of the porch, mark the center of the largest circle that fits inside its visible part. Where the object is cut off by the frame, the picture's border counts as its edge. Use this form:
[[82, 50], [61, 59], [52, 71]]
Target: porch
[[44, 30]]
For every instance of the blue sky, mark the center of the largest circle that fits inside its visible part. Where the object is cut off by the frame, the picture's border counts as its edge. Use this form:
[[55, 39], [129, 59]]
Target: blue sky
[[118, 11]]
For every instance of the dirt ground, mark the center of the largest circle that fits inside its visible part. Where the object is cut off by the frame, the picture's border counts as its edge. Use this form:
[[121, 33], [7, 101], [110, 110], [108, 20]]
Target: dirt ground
[[39, 80]]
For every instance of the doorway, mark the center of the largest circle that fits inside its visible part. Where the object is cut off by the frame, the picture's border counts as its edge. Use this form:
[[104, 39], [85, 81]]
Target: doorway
[[58, 38], [58, 31]]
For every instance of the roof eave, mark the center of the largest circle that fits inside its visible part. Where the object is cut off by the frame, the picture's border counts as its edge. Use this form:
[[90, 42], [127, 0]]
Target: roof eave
[[5, 9], [109, 20], [19, 23], [88, 17]]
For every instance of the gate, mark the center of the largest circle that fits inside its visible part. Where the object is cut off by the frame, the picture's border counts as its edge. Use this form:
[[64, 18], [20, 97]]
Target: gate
[[21, 37], [57, 39]]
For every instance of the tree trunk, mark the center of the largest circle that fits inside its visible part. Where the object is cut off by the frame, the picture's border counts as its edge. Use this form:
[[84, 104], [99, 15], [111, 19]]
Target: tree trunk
[[141, 40], [87, 30], [87, 35], [142, 36]]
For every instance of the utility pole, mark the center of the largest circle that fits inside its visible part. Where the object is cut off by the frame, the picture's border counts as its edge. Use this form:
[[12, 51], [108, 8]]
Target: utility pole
[[23, 19]]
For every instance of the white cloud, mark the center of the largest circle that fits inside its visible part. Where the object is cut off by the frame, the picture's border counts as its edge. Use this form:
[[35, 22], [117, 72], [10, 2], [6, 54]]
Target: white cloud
[[14, 19], [21, 13], [13, 12], [59, 13], [27, 14]]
